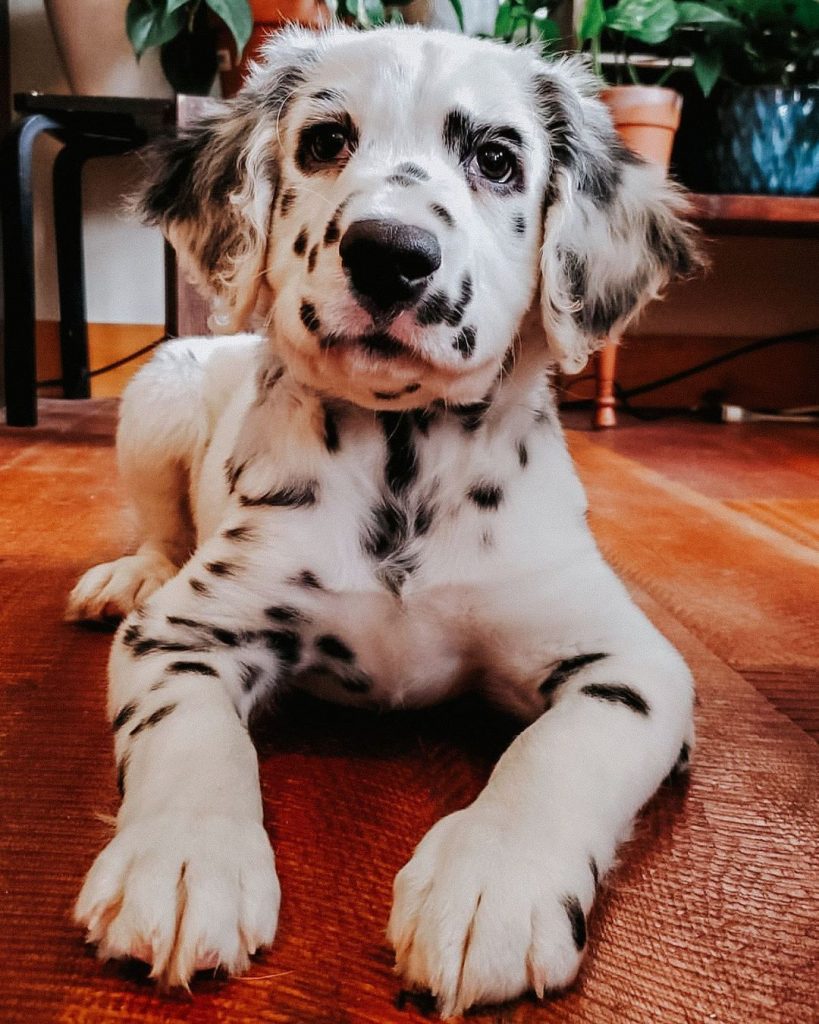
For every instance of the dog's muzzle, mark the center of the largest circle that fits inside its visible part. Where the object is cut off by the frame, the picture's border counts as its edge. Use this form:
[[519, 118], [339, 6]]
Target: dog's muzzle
[[388, 263]]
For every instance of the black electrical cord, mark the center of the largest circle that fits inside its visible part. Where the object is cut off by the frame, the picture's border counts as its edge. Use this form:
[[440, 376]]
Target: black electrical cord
[[754, 346], [57, 381]]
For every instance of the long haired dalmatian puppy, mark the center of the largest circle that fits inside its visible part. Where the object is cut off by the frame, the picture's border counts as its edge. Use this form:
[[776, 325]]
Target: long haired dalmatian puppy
[[382, 508]]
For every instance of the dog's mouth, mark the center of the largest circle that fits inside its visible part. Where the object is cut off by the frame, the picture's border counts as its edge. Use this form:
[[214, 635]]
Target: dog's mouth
[[379, 344]]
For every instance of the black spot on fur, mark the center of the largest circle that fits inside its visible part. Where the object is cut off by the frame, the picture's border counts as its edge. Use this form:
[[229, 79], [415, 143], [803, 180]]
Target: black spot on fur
[[296, 495], [332, 232], [565, 669], [232, 473], [309, 317], [198, 668], [227, 637], [413, 171], [683, 758], [595, 873], [327, 95], [402, 459], [442, 213], [125, 714], [616, 693], [239, 533], [577, 921], [122, 771], [424, 516], [387, 396], [332, 442], [307, 579], [381, 344], [424, 418], [465, 342], [249, 675], [356, 684], [285, 643], [151, 645], [334, 647], [198, 587], [311, 259], [437, 309], [523, 454], [459, 134], [288, 198], [404, 180], [485, 495], [519, 224], [410, 389], [284, 613], [300, 245], [132, 634], [221, 568], [560, 125], [472, 415], [153, 719]]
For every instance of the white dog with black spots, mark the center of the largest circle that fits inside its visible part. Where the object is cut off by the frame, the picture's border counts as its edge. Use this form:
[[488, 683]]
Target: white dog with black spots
[[371, 498]]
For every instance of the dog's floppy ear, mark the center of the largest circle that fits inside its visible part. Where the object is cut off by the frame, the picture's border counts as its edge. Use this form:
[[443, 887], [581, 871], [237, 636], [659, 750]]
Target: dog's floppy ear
[[614, 231], [212, 186]]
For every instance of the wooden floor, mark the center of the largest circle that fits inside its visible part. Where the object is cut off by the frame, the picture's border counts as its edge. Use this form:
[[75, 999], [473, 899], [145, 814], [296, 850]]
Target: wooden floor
[[713, 913]]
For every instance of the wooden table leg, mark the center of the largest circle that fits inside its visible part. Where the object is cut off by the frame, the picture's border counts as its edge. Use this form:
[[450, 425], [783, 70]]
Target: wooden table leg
[[604, 400]]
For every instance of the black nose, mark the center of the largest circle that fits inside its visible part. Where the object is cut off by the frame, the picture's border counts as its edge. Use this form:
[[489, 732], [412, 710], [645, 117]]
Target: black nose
[[389, 262]]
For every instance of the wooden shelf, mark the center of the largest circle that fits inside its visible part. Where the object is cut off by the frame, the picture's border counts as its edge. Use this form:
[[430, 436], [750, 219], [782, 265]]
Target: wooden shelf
[[757, 215]]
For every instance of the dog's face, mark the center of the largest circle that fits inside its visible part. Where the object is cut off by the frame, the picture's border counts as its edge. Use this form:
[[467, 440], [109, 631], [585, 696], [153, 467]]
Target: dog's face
[[389, 202]]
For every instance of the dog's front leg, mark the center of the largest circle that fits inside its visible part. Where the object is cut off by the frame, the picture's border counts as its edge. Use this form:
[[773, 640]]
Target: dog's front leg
[[189, 880], [495, 900]]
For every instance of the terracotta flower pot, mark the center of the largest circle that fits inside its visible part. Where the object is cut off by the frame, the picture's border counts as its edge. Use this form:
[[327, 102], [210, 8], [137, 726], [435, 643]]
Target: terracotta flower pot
[[98, 59], [268, 16], [646, 117]]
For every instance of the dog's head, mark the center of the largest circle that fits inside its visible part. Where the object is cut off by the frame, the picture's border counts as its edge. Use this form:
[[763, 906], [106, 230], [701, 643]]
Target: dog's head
[[389, 202]]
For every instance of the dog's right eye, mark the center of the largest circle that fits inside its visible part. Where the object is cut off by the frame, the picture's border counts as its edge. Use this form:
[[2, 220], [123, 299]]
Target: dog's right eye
[[326, 142]]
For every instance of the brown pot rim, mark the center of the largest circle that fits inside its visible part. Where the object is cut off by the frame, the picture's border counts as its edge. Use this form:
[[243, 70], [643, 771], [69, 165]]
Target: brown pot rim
[[644, 105]]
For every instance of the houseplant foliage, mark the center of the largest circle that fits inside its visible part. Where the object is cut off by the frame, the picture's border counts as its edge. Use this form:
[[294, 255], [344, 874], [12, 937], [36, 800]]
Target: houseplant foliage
[[183, 31], [760, 70]]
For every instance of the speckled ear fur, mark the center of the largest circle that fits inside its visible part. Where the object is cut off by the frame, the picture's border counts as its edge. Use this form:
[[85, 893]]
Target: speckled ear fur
[[614, 228], [212, 187]]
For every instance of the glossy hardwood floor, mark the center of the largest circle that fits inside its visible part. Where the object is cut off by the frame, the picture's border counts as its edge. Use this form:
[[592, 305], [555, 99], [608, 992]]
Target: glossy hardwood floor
[[712, 914]]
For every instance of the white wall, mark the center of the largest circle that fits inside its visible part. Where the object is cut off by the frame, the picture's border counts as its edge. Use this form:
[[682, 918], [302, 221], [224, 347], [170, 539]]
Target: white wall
[[124, 281]]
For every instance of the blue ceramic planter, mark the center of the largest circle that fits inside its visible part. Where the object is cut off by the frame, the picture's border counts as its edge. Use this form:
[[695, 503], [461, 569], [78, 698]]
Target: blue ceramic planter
[[767, 141]]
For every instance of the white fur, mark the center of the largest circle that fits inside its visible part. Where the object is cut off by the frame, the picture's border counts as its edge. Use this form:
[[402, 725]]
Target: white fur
[[472, 596]]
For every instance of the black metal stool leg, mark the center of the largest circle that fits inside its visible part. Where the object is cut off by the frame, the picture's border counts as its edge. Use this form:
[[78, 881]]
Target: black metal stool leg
[[67, 177], [18, 268]]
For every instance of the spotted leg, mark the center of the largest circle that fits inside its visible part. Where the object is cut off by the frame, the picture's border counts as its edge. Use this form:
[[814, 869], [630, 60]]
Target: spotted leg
[[189, 882], [495, 900]]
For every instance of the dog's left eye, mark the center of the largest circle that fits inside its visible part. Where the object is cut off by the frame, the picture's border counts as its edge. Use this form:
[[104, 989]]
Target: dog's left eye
[[326, 142], [495, 162]]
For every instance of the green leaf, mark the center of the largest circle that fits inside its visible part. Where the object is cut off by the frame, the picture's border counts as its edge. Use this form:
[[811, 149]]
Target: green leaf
[[457, 7], [592, 22], [648, 21], [504, 20], [547, 29], [147, 25], [691, 13], [236, 15], [707, 69], [806, 14], [174, 5]]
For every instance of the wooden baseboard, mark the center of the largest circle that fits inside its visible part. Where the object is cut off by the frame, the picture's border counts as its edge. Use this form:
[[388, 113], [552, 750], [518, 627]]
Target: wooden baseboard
[[106, 344], [777, 377]]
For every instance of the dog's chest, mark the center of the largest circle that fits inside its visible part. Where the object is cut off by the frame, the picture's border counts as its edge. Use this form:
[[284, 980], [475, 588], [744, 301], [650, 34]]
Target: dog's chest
[[392, 536]]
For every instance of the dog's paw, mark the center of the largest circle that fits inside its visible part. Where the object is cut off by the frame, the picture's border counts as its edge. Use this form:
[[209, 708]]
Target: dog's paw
[[183, 896], [112, 590], [485, 911]]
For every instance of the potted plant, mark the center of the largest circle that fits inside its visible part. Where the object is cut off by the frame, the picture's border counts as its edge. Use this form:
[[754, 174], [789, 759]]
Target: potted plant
[[645, 111], [186, 36], [760, 72]]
